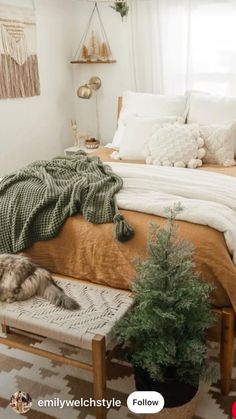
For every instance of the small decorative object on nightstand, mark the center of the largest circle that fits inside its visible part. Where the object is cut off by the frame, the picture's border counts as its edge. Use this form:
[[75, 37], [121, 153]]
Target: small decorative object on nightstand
[[80, 137], [92, 143]]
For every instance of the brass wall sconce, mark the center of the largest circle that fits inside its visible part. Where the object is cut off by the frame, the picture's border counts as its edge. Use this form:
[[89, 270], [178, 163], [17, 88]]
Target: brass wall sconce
[[86, 90]]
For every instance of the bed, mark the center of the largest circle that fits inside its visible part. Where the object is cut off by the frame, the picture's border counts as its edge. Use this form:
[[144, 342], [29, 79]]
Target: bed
[[86, 251], [89, 252]]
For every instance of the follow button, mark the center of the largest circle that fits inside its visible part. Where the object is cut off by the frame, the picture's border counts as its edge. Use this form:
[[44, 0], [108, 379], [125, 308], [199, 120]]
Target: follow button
[[145, 402]]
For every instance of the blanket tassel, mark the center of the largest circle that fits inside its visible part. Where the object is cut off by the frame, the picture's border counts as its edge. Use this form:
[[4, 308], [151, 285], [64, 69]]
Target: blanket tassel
[[123, 230]]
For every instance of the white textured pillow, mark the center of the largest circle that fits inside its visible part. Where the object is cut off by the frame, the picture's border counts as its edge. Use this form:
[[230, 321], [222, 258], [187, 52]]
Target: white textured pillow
[[219, 144], [137, 131], [150, 106], [206, 109], [176, 145]]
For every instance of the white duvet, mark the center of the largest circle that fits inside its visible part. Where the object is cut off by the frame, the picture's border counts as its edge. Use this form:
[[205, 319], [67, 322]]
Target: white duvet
[[208, 198]]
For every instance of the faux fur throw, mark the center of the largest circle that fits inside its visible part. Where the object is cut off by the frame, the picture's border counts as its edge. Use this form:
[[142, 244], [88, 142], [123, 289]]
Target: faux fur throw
[[36, 200]]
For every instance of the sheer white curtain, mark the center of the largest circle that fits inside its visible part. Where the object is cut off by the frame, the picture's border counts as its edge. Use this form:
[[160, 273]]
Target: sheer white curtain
[[143, 43], [181, 45]]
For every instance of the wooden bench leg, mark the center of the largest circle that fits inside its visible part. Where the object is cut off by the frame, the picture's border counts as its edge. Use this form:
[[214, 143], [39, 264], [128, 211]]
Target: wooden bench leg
[[5, 329], [227, 349], [99, 372]]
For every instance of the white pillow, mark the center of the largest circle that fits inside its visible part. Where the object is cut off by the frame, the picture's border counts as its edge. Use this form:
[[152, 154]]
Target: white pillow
[[176, 145], [119, 134], [153, 105], [219, 144], [206, 109], [134, 145], [148, 105]]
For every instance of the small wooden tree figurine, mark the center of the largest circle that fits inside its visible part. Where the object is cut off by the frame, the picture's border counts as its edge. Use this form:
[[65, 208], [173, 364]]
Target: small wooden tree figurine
[[104, 52], [84, 53], [93, 48]]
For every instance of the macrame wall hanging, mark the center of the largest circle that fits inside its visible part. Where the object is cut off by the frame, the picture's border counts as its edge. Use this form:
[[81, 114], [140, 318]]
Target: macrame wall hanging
[[19, 76], [94, 47]]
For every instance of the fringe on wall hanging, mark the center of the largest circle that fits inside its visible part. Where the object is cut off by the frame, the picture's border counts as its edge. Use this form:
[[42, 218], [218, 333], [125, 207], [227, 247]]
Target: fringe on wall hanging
[[19, 76]]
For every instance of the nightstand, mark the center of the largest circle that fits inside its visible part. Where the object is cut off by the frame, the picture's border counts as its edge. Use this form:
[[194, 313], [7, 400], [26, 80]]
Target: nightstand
[[72, 150]]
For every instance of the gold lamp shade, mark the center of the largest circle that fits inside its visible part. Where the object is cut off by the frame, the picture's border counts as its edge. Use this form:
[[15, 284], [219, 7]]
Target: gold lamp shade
[[85, 91]]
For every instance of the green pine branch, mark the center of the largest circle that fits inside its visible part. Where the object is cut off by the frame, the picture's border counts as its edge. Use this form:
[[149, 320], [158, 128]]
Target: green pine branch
[[122, 8]]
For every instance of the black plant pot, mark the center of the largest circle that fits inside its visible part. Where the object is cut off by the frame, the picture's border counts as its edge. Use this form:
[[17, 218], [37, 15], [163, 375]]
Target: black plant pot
[[175, 393]]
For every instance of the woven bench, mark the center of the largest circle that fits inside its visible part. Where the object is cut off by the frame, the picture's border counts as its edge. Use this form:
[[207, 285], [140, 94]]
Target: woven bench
[[88, 328]]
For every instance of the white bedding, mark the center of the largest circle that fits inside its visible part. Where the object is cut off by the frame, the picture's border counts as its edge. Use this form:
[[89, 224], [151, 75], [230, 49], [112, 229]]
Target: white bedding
[[208, 198]]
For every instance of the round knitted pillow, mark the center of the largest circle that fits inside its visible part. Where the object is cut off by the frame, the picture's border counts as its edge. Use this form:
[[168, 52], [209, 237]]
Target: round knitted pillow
[[176, 145]]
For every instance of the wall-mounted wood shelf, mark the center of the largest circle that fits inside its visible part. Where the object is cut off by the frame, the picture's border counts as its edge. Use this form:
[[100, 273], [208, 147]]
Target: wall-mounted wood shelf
[[93, 62]]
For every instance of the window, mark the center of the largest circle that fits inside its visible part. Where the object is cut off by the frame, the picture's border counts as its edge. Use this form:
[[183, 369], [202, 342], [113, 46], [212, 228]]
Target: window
[[212, 47]]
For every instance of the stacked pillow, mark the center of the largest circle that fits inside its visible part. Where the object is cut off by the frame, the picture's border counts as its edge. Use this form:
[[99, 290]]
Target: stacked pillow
[[206, 109], [217, 114], [151, 127], [176, 145], [137, 131], [219, 143], [146, 105]]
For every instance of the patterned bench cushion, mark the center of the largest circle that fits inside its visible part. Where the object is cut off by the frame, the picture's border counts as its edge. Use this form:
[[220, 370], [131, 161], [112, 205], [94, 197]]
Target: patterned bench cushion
[[100, 308]]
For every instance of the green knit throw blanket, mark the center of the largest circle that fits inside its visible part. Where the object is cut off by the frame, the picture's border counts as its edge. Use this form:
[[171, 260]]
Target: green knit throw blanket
[[36, 200]]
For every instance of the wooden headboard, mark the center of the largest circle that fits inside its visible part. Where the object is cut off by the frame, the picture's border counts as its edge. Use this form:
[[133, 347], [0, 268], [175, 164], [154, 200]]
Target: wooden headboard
[[119, 106]]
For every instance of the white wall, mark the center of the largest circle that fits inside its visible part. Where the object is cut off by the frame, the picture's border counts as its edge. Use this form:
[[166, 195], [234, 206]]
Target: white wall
[[115, 77], [39, 127]]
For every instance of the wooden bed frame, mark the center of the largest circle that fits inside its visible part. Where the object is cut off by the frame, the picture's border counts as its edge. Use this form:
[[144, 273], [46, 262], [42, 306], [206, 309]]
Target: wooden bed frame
[[223, 332]]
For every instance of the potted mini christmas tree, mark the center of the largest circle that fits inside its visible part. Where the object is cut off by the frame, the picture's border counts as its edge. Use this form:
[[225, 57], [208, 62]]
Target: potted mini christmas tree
[[166, 329]]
